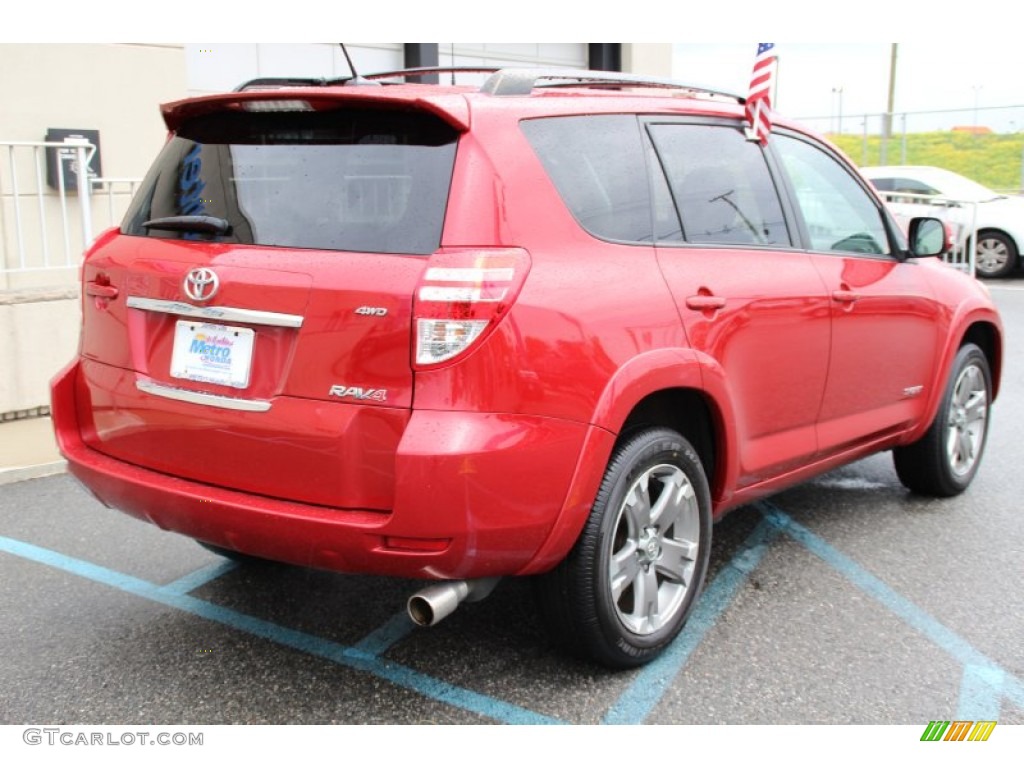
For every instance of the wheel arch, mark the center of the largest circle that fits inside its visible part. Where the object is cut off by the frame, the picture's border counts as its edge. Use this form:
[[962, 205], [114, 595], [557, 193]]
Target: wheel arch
[[978, 326], [677, 388], [987, 337], [691, 413], [658, 388]]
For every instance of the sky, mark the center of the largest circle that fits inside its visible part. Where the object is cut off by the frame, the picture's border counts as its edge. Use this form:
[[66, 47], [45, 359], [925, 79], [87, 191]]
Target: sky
[[954, 55]]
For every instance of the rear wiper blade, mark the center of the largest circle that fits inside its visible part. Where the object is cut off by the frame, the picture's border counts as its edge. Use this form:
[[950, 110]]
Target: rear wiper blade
[[211, 224]]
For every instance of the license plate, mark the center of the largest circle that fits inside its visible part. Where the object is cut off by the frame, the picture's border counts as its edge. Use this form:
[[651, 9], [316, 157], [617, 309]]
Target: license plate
[[211, 353]]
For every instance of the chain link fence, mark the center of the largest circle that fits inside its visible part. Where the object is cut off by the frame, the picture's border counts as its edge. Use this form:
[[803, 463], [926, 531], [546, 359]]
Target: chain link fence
[[986, 145]]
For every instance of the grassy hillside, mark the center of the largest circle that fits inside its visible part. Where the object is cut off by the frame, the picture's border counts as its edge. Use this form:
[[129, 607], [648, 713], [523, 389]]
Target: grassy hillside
[[991, 159]]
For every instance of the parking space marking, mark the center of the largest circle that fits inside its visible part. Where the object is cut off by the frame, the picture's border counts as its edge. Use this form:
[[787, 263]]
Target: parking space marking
[[381, 639], [653, 681], [984, 684], [354, 658], [197, 578], [1008, 686], [981, 691]]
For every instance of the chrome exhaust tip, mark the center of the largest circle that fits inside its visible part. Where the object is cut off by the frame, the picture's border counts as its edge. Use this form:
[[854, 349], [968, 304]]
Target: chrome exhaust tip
[[438, 601]]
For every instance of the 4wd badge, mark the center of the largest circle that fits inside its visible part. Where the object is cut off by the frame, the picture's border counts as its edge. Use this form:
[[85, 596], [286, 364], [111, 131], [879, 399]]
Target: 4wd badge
[[359, 393], [373, 311]]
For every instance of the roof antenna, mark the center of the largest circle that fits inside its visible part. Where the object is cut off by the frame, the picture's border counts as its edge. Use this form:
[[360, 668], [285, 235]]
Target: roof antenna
[[355, 79]]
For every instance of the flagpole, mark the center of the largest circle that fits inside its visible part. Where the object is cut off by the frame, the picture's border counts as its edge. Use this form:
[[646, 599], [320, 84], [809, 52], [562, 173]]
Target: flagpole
[[775, 82]]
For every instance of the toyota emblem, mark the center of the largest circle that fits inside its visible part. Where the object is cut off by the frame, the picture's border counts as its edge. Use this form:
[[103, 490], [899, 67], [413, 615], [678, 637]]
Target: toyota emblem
[[201, 284]]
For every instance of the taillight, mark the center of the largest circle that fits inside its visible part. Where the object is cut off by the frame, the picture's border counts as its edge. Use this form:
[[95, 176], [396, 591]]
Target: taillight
[[462, 295]]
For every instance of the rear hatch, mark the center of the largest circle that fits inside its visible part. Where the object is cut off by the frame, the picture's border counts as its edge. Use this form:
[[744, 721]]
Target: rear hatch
[[250, 325]]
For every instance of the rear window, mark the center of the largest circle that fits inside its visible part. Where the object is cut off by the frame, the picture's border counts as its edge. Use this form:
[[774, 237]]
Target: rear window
[[347, 180]]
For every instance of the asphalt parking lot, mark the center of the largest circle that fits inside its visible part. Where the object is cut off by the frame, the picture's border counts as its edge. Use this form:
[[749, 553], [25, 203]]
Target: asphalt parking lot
[[845, 600]]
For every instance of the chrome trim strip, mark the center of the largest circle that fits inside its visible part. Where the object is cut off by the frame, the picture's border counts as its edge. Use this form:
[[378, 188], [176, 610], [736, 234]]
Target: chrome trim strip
[[217, 314], [202, 398]]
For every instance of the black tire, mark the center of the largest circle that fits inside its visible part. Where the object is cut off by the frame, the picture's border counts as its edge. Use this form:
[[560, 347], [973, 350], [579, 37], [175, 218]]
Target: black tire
[[944, 461], [665, 555], [995, 254]]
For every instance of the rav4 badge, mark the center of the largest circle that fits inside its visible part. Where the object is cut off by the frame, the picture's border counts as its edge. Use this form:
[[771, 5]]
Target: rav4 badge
[[359, 393]]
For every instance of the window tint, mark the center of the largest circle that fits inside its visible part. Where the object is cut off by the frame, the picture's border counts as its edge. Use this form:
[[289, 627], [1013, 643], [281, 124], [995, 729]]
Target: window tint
[[839, 214], [911, 186], [667, 227], [597, 165], [341, 180], [721, 185]]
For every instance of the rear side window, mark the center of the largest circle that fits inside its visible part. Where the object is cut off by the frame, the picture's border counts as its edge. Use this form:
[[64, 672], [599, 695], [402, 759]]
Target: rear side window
[[721, 185], [350, 180], [597, 165]]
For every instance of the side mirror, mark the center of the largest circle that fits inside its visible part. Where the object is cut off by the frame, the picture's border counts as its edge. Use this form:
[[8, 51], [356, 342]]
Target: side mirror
[[928, 237]]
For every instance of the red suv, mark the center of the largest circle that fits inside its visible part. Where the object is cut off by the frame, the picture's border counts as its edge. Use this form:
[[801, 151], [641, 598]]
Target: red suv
[[555, 326]]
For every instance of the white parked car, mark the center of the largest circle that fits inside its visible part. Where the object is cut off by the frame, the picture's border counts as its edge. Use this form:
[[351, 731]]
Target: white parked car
[[999, 218]]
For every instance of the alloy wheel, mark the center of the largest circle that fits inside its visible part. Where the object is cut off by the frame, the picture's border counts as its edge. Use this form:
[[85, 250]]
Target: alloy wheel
[[992, 255], [654, 549], [967, 421]]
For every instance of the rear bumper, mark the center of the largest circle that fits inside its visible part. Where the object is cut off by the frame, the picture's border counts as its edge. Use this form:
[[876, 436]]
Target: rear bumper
[[475, 495]]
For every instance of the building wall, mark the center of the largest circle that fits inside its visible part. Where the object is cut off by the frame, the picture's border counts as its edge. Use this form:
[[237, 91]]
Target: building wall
[[117, 89], [214, 68], [654, 59], [113, 88]]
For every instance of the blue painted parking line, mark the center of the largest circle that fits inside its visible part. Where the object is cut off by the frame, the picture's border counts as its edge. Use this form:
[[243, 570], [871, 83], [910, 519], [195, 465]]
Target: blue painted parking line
[[983, 668], [380, 640], [984, 684], [355, 658], [198, 578], [981, 693], [652, 682]]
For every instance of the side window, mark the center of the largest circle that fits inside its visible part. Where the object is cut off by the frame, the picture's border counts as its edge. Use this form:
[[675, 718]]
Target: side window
[[667, 227], [839, 214], [913, 186], [721, 185], [597, 165]]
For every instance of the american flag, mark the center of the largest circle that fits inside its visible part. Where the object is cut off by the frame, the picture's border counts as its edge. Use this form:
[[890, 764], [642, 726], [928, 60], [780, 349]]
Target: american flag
[[759, 101]]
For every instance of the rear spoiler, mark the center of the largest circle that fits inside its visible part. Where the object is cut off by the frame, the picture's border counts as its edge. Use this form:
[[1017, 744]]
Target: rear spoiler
[[451, 108]]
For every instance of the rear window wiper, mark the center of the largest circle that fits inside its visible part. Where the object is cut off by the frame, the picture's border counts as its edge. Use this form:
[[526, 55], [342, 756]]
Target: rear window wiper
[[211, 224]]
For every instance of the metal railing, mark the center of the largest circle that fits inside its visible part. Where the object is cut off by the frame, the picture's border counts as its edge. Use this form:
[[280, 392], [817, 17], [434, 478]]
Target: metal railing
[[44, 230], [108, 187], [961, 216]]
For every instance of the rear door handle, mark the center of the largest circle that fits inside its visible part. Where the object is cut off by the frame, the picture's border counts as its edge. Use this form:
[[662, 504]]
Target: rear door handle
[[847, 297], [705, 302], [101, 291]]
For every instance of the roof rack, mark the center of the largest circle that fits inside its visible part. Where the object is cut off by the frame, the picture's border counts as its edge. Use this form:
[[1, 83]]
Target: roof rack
[[415, 71], [502, 82], [521, 82], [267, 83]]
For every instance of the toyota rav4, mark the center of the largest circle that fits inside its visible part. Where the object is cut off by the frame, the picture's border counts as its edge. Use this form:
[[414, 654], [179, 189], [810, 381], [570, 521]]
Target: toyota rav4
[[555, 326]]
